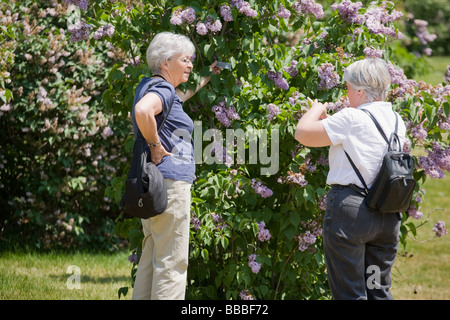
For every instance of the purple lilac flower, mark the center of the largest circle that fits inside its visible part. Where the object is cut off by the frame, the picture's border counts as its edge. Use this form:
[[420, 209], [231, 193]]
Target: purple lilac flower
[[294, 178], [224, 114], [310, 166], [176, 19], [322, 203], [83, 4], [377, 17], [201, 28], [196, 222], [422, 32], [423, 35], [328, 79], [283, 12], [447, 75], [245, 295], [181, 16], [371, 52], [349, 11], [106, 30], [398, 77], [217, 218], [261, 189], [263, 234], [133, 258], [309, 7], [414, 213], [430, 167], [188, 15], [437, 161], [255, 266], [79, 31], [292, 69], [46, 102], [308, 238], [107, 132], [278, 80], [274, 110], [294, 98], [214, 26], [427, 51], [440, 229], [441, 156], [305, 240], [225, 12], [244, 7], [417, 131]]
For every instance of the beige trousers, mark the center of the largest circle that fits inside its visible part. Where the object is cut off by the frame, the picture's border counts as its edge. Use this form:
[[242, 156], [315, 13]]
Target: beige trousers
[[162, 269]]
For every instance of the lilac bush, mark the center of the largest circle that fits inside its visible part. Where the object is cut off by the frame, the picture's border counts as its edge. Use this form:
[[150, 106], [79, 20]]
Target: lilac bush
[[60, 147], [248, 230]]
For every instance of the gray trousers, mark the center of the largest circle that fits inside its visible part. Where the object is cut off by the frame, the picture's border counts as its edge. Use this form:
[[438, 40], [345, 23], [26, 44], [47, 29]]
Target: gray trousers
[[360, 246]]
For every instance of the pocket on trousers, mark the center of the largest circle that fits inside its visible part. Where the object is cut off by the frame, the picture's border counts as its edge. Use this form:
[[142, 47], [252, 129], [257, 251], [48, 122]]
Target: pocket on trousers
[[329, 211], [356, 218]]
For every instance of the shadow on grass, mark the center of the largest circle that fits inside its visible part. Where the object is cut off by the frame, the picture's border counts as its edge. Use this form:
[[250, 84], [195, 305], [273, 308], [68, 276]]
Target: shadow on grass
[[91, 279]]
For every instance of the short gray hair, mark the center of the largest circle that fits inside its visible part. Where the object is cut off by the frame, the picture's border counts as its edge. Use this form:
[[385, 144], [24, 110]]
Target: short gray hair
[[164, 46], [371, 75]]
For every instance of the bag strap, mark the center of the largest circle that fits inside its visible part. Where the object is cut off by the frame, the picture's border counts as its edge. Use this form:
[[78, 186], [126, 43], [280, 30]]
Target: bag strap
[[393, 137], [366, 190]]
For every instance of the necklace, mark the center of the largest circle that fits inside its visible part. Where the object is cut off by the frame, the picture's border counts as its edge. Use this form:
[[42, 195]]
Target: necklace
[[161, 77]]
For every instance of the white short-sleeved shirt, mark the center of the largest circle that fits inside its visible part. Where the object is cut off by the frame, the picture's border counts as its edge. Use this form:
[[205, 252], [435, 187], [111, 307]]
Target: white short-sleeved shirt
[[353, 130]]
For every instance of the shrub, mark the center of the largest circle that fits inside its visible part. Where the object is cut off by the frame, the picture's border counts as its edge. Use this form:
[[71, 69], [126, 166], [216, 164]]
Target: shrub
[[59, 146]]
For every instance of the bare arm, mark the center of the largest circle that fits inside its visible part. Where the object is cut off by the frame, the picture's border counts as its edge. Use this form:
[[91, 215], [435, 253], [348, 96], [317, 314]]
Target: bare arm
[[189, 93], [145, 111], [203, 81], [310, 131]]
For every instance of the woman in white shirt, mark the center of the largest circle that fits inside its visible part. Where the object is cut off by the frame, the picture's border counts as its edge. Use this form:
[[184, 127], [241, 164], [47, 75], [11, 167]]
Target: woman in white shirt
[[360, 243]]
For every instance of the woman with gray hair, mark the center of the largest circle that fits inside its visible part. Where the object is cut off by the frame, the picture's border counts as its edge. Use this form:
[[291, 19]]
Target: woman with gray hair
[[360, 244], [162, 269]]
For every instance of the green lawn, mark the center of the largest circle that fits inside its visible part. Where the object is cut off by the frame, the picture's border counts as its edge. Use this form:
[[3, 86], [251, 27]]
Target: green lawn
[[438, 67], [33, 276], [422, 270]]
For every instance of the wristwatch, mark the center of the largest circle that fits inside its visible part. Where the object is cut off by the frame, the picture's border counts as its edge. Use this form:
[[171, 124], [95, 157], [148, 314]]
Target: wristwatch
[[154, 144]]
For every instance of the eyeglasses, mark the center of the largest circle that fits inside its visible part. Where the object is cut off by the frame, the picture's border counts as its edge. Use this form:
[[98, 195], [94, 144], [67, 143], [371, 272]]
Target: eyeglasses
[[186, 61]]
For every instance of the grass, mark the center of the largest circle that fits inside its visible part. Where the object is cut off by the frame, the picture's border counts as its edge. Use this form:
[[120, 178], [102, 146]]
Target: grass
[[38, 276], [438, 67], [422, 269]]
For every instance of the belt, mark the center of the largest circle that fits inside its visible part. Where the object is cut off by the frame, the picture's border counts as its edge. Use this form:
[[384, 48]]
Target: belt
[[360, 192]]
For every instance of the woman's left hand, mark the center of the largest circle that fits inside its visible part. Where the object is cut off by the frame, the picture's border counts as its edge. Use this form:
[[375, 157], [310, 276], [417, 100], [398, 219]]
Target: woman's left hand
[[215, 70]]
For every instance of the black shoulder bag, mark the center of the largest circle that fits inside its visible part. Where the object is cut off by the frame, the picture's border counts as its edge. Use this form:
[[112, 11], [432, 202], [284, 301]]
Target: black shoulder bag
[[145, 193], [394, 185]]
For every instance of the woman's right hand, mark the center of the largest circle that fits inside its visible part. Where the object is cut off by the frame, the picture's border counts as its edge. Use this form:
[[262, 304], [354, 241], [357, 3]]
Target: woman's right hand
[[158, 153]]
